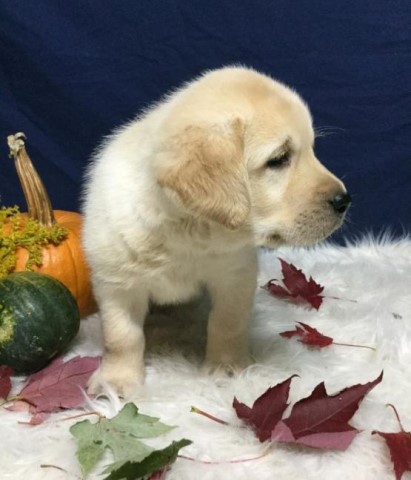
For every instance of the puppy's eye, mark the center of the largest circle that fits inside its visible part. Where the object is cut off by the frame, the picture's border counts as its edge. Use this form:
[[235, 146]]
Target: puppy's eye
[[280, 161]]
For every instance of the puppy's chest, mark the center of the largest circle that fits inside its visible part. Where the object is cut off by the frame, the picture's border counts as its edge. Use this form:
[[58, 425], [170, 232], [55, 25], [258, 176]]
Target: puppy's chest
[[178, 264], [178, 281]]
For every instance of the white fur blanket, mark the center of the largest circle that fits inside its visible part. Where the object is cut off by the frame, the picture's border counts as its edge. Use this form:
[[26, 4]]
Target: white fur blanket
[[377, 274]]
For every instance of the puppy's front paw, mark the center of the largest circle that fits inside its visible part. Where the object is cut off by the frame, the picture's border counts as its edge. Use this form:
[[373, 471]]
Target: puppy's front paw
[[124, 379], [226, 366]]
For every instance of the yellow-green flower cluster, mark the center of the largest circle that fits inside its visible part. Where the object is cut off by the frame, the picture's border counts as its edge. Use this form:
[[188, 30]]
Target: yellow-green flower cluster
[[17, 231]]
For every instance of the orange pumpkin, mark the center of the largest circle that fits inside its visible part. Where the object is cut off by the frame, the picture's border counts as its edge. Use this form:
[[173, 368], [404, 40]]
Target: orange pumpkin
[[64, 261]]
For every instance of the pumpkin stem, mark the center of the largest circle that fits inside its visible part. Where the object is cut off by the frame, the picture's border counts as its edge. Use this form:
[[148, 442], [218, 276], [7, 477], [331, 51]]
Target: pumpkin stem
[[38, 202]]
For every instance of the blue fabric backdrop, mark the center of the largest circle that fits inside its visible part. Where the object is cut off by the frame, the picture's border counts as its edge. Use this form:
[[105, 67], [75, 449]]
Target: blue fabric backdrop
[[73, 70]]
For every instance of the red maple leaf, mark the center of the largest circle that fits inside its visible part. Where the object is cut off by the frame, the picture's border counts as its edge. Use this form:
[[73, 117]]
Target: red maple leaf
[[312, 337], [267, 410], [298, 288], [58, 386], [5, 381], [399, 445], [309, 336], [319, 421]]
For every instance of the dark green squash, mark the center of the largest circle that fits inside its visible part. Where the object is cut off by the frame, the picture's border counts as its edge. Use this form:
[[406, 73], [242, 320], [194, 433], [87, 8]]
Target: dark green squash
[[38, 319]]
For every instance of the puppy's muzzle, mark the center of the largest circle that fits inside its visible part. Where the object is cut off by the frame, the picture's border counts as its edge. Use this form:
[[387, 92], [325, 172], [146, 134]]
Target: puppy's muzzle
[[340, 203]]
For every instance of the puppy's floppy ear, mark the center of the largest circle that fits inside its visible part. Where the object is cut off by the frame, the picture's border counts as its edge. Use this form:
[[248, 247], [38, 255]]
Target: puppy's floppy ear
[[205, 167]]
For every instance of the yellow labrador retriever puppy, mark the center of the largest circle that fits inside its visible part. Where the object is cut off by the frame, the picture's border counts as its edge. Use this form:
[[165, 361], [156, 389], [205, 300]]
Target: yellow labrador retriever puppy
[[179, 199]]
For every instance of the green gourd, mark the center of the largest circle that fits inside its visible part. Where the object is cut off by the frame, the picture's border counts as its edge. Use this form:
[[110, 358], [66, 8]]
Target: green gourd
[[38, 319]]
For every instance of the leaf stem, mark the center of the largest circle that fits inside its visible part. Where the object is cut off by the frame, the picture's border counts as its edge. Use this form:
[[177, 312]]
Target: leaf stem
[[351, 345], [82, 415], [210, 462], [16, 398], [211, 417], [45, 465], [340, 298], [396, 414]]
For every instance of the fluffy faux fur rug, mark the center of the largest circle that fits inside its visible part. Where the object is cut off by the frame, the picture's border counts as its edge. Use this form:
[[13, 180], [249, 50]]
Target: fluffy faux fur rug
[[377, 275]]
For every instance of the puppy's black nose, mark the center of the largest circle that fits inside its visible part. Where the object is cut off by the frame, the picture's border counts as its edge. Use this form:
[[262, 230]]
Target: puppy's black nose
[[341, 202]]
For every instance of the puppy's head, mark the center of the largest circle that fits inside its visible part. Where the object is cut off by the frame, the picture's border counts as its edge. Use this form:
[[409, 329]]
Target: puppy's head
[[237, 149]]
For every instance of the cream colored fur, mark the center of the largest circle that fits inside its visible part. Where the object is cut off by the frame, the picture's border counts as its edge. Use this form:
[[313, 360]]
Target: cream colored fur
[[179, 199]]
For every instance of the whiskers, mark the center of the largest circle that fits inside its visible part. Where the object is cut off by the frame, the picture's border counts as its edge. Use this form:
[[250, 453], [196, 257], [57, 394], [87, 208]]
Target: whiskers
[[327, 130]]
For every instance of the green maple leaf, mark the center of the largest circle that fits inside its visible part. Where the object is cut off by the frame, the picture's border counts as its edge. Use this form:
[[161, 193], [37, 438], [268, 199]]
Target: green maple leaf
[[120, 434], [142, 470]]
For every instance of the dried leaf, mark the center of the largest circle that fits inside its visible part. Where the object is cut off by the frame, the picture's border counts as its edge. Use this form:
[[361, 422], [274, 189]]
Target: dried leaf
[[59, 385], [5, 381], [312, 337], [298, 288], [38, 418], [399, 445], [319, 421], [266, 411], [122, 435], [309, 336], [141, 470], [18, 406]]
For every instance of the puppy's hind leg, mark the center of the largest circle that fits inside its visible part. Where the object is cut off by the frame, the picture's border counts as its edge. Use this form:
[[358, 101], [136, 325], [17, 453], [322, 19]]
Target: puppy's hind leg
[[123, 314]]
